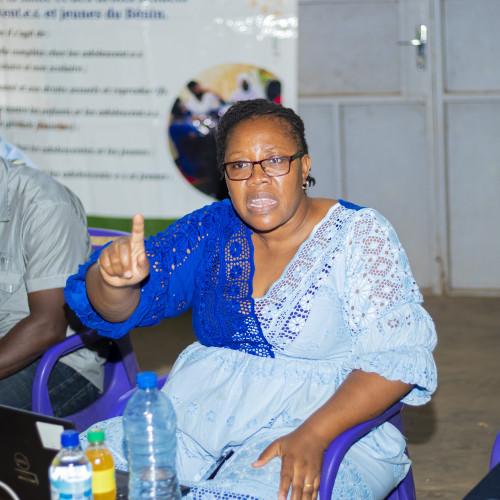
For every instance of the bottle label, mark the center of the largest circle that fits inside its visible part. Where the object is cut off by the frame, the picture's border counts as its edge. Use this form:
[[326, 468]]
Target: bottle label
[[103, 481], [56, 493], [71, 483]]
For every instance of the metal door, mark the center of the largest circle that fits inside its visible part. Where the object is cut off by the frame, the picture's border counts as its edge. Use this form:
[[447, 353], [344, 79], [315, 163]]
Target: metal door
[[389, 91]]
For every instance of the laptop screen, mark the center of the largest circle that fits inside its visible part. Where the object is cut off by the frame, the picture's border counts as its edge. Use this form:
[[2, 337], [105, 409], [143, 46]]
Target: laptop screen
[[29, 442]]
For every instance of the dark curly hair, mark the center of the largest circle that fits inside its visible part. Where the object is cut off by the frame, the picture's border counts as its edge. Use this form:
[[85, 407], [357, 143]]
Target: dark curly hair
[[254, 108]]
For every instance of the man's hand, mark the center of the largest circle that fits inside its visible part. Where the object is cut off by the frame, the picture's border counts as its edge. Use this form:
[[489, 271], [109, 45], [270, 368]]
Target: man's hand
[[124, 262], [301, 454]]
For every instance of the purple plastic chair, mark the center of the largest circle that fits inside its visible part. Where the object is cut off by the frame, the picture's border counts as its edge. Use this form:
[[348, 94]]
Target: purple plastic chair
[[119, 406], [338, 448], [100, 236], [123, 384], [335, 452], [120, 369], [495, 453]]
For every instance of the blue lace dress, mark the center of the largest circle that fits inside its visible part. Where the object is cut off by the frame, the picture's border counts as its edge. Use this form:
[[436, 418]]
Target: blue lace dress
[[262, 366]]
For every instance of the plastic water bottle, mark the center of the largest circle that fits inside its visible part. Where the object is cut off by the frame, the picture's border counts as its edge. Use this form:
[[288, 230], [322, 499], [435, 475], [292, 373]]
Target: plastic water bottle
[[103, 476], [70, 473], [149, 424]]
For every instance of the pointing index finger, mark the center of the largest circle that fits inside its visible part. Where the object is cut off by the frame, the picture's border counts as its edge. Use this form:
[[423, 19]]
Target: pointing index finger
[[138, 229]]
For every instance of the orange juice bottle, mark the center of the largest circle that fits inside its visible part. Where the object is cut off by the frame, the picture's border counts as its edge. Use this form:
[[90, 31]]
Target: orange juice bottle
[[103, 476]]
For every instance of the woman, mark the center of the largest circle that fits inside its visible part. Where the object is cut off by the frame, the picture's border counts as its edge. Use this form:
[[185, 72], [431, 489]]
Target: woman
[[307, 317]]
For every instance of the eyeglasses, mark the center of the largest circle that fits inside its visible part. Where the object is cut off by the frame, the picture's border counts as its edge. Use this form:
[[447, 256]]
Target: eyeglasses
[[276, 166]]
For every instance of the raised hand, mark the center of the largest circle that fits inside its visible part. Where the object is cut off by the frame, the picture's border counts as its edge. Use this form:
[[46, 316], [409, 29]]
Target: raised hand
[[124, 262], [301, 456]]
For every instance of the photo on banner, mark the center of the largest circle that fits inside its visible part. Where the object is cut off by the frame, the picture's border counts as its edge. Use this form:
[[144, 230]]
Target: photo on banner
[[196, 112], [120, 100]]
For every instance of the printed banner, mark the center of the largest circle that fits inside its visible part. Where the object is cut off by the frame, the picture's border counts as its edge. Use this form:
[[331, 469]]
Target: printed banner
[[119, 99]]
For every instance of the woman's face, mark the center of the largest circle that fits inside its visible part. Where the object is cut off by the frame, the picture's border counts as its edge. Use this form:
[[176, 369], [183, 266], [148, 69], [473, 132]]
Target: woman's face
[[266, 203]]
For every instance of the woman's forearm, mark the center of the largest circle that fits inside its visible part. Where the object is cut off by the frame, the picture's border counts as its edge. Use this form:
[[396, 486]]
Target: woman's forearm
[[114, 304], [361, 397]]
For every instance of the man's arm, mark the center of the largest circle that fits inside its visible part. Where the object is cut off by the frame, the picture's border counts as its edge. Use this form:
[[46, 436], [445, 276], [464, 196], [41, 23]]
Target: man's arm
[[33, 335]]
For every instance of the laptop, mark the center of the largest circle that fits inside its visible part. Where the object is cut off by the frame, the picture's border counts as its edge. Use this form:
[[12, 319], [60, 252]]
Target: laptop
[[28, 443]]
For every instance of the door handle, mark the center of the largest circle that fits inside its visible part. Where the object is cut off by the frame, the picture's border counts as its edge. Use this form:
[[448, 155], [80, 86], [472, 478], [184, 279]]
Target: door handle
[[420, 41]]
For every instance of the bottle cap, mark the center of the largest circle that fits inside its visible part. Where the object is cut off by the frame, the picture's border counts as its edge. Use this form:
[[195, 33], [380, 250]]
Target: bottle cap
[[95, 435], [69, 438], [147, 380]]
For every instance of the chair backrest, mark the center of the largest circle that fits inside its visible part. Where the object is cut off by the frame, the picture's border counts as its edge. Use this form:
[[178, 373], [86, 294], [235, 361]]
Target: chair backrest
[[101, 237], [120, 369]]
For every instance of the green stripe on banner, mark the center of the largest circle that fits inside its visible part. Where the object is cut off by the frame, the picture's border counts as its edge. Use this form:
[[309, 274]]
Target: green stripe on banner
[[151, 226]]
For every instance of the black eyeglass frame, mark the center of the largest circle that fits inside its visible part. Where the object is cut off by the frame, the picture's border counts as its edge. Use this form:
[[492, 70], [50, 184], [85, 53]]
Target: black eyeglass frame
[[299, 154]]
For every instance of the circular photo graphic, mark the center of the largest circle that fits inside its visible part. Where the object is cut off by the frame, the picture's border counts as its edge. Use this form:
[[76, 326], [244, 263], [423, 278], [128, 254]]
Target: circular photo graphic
[[196, 112]]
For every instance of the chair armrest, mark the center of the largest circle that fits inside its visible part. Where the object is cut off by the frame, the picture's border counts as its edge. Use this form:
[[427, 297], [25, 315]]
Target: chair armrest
[[339, 447], [40, 393], [495, 452], [118, 408]]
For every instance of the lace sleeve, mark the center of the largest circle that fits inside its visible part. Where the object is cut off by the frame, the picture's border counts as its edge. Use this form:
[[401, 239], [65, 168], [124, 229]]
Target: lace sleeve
[[174, 255], [392, 334]]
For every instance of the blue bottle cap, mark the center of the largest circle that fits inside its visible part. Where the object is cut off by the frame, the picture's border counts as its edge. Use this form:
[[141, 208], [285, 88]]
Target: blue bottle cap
[[69, 438], [147, 380]]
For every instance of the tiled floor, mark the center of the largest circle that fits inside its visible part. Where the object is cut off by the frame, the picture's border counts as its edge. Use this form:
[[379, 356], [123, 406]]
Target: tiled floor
[[449, 439]]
